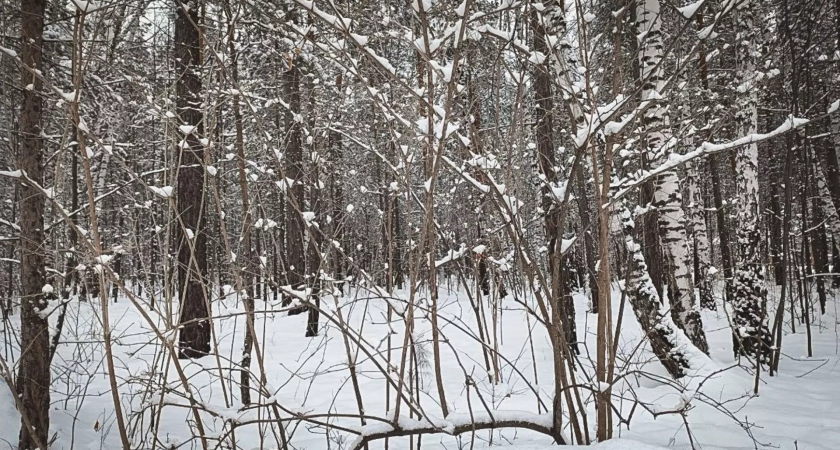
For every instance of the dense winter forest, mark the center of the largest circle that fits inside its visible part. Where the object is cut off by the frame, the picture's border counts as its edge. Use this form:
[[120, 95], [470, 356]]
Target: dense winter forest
[[406, 224]]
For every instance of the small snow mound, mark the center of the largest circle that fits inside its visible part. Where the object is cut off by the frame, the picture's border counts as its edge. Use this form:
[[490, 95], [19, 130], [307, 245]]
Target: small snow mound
[[162, 192]]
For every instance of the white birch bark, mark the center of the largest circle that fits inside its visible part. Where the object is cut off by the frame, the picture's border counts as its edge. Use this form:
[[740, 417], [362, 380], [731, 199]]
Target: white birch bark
[[666, 197], [751, 336], [668, 342]]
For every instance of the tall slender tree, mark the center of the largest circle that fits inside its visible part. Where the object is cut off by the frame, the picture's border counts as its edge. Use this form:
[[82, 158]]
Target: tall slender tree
[[751, 336], [194, 337], [294, 173], [34, 376], [666, 195]]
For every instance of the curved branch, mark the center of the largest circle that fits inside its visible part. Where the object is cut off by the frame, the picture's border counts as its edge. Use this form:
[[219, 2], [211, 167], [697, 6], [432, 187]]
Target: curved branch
[[456, 424]]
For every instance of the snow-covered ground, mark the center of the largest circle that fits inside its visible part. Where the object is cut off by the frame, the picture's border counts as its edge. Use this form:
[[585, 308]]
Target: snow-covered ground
[[796, 410]]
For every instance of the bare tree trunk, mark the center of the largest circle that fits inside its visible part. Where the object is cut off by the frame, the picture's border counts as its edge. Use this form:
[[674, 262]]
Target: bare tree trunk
[[666, 195], [546, 163], [819, 241], [775, 218], [313, 235], [722, 224], [7, 305], [336, 157], [588, 238], [658, 325], [34, 379], [752, 338], [247, 255], [194, 338], [703, 258], [784, 261], [293, 171]]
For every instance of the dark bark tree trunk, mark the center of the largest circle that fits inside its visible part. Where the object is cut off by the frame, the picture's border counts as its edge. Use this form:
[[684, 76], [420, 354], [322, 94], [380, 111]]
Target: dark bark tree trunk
[[336, 157], [293, 171], [835, 262], [10, 255], [650, 237], [819, 241], [313, 234], [248, 290], [34, 378], [776, 223], [546, 159], [194, 338], [722, 224], [588, 238], [71, 281]]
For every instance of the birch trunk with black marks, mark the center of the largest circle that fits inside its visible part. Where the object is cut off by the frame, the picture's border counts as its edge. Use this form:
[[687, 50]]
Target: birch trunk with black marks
[[666, 195], [652, 316], [751, 336]]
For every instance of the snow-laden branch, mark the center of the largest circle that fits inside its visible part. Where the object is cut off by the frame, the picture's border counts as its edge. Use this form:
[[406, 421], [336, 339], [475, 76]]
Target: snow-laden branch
[[455, 424], [9, 224], [707, 149], [452, 255]]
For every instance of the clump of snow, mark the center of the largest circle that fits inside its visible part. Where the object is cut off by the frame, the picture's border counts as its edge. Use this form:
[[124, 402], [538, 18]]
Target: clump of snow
[[11, 173], [688, 11], [84, 6], [104, 259], [162, 192]]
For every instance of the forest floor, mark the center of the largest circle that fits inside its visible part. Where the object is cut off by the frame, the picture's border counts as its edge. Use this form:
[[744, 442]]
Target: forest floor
[[798, 409]]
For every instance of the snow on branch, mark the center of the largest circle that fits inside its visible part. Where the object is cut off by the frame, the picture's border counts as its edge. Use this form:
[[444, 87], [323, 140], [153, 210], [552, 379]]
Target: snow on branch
[[456, 424], [707, 149], [9, 224], [452, 255]]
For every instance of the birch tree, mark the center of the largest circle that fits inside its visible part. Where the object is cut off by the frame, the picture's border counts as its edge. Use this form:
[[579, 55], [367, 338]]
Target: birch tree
[[751, 335], [666, 197]]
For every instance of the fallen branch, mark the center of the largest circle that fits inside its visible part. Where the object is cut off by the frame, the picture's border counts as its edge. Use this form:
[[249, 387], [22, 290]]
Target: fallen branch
[[456, 424]]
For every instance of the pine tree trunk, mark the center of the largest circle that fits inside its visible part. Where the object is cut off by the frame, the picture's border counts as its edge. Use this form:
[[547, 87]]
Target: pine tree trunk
[[313, 235], [34, 376], [194, 338], [776, 233], [826, 198], [293, 171], [722, 223]]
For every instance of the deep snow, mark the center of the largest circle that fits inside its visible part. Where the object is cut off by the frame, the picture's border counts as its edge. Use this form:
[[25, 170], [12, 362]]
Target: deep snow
[[796, 410]]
